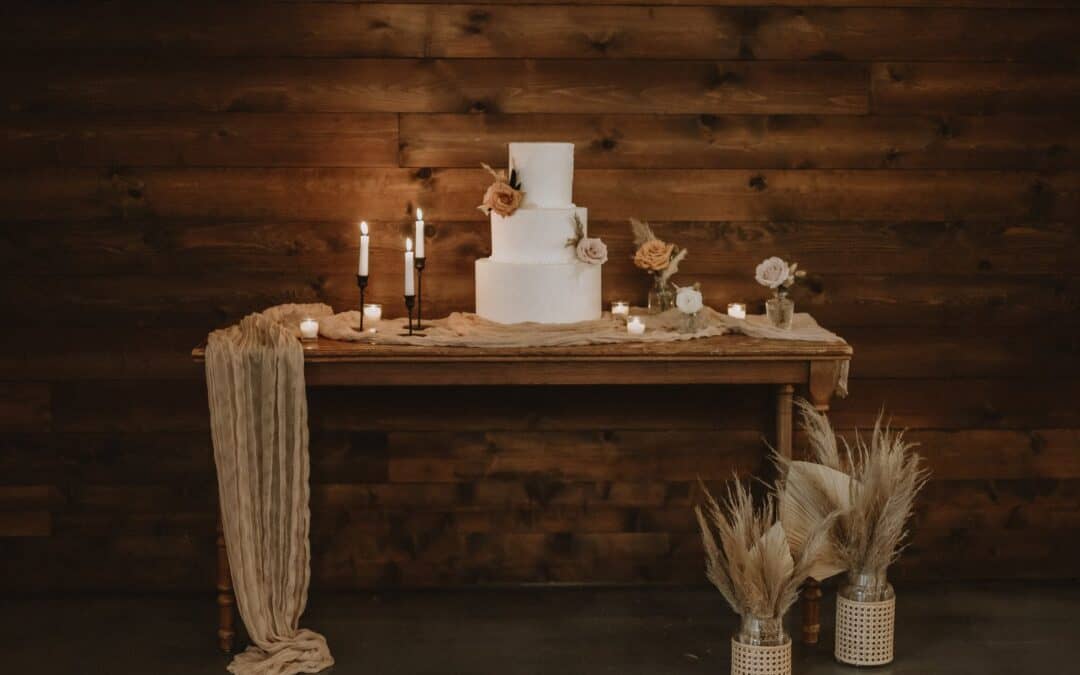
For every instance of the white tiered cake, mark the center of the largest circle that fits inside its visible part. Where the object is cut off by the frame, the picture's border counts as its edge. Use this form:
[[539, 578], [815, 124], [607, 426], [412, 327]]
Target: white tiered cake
[[532, 274]]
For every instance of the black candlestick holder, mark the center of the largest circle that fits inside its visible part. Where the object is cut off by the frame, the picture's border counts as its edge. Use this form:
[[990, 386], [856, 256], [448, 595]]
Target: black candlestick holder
[[419, 263], [361, 281], [410, 302]]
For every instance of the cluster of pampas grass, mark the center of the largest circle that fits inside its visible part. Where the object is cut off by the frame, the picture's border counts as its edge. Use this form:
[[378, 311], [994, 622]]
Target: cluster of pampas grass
[[749, 559], [869, 486]]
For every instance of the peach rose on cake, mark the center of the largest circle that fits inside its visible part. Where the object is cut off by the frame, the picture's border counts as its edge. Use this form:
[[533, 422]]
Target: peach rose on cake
[[502, 199], [654, 255], [592, 251]]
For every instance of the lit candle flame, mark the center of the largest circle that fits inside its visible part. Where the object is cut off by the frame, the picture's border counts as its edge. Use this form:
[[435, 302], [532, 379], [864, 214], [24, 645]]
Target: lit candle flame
[[408, 244], [363, 227]]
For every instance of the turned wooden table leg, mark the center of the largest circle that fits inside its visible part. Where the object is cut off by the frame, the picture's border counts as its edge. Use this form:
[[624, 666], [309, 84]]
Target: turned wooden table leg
[[225, 599], [784, 395]]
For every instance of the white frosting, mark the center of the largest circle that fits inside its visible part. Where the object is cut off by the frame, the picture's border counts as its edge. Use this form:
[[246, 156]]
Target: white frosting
[[535, 235], [517, 292], [546, 171]]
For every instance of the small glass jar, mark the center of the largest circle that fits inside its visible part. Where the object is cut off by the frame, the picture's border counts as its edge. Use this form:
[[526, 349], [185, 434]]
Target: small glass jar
[[761, 632], [661, 297], [690, 323], [780, 310]]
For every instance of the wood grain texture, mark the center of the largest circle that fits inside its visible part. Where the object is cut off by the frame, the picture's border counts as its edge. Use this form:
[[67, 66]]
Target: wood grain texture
[[166, 170]]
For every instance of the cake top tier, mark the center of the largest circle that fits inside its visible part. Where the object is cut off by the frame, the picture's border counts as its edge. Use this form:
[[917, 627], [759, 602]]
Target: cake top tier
[[546, 172]]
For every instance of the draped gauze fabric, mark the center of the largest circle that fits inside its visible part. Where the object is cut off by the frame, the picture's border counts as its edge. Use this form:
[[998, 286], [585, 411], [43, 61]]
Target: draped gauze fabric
[[258, 420]]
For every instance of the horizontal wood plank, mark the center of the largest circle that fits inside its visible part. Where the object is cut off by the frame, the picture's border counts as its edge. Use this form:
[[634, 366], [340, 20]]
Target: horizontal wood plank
[[749, 142], [439, 85], [346, 195], [508, 30], [974, 88]]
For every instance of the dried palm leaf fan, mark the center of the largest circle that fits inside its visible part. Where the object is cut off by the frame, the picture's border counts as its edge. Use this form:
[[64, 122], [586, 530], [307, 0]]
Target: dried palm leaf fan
[[866, 490], [748, 559]]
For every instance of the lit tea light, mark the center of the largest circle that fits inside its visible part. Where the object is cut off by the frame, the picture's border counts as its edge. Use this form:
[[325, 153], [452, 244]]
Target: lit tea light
[[635, 326], [373, 312], [736, 310], [309, 329], [620, 308]]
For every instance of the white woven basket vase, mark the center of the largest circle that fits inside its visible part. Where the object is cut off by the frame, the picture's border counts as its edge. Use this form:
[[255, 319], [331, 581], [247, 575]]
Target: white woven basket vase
[[865, 631], [760, 659]]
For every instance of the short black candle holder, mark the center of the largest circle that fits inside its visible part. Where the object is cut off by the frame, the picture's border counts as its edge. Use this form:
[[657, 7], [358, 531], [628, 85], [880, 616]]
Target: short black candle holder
[[410, 302], [419, 263], [361, 281]]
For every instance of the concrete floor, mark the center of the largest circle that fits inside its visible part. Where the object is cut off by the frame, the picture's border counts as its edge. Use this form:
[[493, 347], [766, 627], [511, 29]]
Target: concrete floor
[[966, 629]]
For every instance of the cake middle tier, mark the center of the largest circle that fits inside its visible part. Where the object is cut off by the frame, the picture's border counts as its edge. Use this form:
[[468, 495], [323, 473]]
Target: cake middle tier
[[536, 235]]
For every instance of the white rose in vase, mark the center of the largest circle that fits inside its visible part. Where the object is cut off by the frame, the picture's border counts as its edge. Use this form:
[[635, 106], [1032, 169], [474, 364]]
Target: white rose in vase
[[772, 272], [689, 300]]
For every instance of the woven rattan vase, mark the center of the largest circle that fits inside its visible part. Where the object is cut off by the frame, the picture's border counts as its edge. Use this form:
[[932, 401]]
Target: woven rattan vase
[[761, 648], [865, 621]]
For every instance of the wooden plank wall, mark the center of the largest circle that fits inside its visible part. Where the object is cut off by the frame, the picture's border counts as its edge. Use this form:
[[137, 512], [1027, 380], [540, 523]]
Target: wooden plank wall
[[166, 169]]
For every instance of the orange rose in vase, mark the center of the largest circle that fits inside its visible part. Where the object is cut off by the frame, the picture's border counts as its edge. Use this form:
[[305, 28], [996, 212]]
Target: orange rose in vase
[[654, 255]]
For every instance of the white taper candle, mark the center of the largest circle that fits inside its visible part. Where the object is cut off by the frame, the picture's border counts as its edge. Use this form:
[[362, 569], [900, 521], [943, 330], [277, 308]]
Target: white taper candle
[[419, 232], [410, 262], [364, 244]]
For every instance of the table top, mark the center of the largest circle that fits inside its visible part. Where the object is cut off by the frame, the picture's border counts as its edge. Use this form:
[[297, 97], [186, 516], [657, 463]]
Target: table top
[[723, 359], [725, 347]]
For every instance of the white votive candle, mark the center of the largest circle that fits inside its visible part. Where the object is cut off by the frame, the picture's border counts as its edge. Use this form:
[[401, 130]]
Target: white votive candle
[[620, 308], [309, 329], [736, 310], [635, 326], [410, 263], [373, 311]]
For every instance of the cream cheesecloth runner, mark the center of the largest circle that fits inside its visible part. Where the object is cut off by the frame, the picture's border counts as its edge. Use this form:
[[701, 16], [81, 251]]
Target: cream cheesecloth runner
[[258, 421], [469, 330]]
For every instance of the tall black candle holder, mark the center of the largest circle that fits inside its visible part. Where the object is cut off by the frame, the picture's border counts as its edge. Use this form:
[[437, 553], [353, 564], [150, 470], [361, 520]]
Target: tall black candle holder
[[419, 263], [410, 302], [361, 281]]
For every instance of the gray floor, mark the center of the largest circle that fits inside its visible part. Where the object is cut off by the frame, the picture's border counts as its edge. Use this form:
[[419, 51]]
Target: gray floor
[[989, 628]]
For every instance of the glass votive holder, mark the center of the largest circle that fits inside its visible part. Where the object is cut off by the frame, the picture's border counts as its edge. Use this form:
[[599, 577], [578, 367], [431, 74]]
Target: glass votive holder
[[736, 310], [372, 311], [620, 309], [309, 329], [635, 326]]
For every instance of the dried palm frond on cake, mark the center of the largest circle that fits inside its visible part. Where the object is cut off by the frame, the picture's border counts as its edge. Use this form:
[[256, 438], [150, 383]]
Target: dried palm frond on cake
[[869, 488], [747, 556]]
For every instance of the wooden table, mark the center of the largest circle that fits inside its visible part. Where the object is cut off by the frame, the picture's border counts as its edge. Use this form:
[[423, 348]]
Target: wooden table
[[726, 360]]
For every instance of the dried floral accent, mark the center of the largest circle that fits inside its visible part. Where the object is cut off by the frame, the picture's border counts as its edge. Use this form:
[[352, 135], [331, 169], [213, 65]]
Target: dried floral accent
[[589, 250], [504, 195], [777, 274], [747, 556], [867, 489]]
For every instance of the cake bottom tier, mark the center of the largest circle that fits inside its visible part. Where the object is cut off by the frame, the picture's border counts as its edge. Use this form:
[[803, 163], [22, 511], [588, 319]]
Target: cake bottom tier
[[518, 292]]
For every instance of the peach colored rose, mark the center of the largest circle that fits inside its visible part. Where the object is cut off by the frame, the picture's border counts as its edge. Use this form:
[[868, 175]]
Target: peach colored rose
[[654, 255], [502, 199], [592, 251]]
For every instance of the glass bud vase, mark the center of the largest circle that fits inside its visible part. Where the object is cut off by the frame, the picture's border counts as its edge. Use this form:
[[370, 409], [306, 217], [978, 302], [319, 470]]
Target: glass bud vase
[[780, 310], [761, 647], [661, 297], [865, 620], [690, 323]]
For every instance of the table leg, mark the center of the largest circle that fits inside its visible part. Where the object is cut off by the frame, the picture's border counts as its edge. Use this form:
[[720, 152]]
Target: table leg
[[811, 612], [225, 599], [784, 395]]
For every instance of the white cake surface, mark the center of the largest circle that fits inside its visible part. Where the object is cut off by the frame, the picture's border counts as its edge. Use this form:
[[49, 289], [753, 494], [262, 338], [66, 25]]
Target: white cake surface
[[546, 172], [535, 235], [519, 292]]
